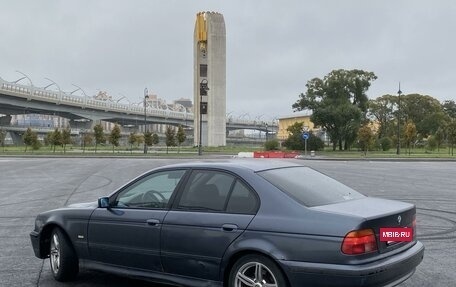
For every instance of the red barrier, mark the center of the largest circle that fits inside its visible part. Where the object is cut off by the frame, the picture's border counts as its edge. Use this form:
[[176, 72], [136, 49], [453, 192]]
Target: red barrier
[[274, 154]]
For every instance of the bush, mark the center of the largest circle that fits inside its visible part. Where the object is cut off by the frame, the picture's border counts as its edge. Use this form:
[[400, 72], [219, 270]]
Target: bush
[[36, 145], [271, 145], [386, 143], [295, 142], [431, 143], [315, 143]]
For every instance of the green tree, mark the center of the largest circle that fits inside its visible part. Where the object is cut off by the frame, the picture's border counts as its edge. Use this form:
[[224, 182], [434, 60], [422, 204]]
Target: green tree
[[386, 143], [148, 138], [170, 137], [139, 139], [272, 144], [114, 137], [99, 135], [439, 137], [314, 142], [338, 103], [449, 107], [181, 137], [155, 139], [87, 140], [2, 138], [424, 111], [36, 144], [66, 138], [30, 138], [48, 139], [410, 134], [56, 138], [452, 135], [431, 143], [295, 141], [382, 110], [366, 138], [132, 140]]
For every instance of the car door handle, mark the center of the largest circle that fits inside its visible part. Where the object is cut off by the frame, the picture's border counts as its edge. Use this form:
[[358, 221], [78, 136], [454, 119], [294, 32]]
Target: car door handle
[[229, 227], [153, 222]]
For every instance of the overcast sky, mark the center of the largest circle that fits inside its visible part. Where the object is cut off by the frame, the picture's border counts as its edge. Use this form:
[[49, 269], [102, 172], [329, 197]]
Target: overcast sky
[[273, 47]]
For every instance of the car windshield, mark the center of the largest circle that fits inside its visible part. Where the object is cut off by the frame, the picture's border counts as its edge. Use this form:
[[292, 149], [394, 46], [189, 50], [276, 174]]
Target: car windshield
[[308, 186]]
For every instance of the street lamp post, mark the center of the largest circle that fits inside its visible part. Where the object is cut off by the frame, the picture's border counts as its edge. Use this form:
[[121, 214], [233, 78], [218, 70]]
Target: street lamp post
[[83, 92], [200, 136], [58, 87], [146, 97], [398, 151], [266, 131], [24, 77], [83, 140]]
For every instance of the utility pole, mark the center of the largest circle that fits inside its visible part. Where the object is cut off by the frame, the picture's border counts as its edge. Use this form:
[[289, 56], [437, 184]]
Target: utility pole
[[398, 151]]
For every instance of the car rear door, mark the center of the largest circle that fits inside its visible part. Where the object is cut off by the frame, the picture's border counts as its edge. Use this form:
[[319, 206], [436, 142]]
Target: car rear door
[[128, 232], [213, 209]]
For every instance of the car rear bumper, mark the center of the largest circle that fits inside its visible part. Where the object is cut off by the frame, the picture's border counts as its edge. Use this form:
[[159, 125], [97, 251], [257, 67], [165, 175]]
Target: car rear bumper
[[386, 272]]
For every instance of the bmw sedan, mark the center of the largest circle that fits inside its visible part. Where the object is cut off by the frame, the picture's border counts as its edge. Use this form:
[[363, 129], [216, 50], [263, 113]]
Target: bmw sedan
[[234, 224]]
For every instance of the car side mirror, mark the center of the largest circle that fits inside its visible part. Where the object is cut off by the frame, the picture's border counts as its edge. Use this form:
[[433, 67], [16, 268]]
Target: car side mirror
[[103, 202]]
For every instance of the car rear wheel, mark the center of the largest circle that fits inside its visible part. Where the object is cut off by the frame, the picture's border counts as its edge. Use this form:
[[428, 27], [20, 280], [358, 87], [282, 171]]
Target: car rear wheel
[[256, 271], [63, 258]]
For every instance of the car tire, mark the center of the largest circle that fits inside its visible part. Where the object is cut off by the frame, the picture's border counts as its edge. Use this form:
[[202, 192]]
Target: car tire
[[63, 259], [256, 270]]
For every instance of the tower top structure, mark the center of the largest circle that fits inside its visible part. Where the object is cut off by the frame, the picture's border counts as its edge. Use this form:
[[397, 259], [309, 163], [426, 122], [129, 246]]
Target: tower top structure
[[210, 79]]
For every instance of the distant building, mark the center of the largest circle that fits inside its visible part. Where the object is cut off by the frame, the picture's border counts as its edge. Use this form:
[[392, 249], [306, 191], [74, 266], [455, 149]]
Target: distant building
[[186, 103], [102, 96], [287, 121], [38, 120]]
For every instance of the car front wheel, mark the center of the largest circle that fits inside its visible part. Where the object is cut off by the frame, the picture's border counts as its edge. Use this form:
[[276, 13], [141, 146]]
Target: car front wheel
[[256, 271], [63, 258]]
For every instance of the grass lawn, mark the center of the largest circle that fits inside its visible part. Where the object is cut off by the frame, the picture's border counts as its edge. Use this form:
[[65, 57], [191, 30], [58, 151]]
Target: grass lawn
[[106, 150], [186, 151], [414, 153]]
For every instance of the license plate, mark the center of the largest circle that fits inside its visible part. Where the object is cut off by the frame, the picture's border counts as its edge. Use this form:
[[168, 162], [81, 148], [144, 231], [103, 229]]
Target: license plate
[[394, 235]]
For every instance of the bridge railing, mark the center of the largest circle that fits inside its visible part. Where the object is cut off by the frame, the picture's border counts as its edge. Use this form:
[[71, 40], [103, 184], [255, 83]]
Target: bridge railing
[[60, 97]]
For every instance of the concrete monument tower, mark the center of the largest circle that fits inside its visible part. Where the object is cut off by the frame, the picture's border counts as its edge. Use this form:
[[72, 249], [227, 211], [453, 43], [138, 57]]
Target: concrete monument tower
[[210, 79]]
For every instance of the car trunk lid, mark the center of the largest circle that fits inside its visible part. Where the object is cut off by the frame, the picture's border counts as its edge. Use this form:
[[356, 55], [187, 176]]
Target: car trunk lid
[[377, 213]]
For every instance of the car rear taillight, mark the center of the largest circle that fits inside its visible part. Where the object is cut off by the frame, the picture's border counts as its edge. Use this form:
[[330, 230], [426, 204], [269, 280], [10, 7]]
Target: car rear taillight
[[359, 242]]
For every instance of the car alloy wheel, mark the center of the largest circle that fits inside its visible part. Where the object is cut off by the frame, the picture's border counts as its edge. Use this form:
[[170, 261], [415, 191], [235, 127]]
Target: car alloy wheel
[[256, 270], [63, 258], [55, 253], [255, 274]]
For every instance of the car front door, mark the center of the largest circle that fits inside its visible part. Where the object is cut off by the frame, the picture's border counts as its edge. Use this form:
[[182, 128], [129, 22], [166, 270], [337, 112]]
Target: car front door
[[128, 232], [213, 210]]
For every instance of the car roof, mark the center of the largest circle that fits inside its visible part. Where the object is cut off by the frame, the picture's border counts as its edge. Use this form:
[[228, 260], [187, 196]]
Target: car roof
[[254, 165]]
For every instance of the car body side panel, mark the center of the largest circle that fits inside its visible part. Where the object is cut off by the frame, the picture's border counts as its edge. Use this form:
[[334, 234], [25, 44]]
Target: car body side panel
[[73, 221], [193, 243], [158, 277], [123, 237], [286, 246]]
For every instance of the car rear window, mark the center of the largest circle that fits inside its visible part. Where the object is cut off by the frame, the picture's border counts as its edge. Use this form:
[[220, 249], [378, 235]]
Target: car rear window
[[308, 186]]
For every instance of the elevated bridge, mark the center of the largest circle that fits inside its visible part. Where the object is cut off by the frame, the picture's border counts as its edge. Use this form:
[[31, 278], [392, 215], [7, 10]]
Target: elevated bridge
[[84, 111]]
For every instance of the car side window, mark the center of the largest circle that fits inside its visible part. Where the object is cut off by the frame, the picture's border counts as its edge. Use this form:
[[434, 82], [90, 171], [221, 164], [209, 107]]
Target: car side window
[[206, 190], [152, 191], [242, 200]]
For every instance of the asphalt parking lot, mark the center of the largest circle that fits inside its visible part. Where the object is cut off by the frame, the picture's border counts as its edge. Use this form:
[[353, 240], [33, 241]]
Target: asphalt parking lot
[[29, 186]]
